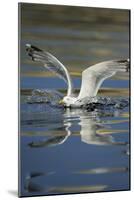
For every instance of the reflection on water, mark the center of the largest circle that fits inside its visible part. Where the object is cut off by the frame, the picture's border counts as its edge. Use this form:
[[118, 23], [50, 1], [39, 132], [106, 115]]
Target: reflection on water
[[94, 143], [77, 150], [88, 128], [92, 129]]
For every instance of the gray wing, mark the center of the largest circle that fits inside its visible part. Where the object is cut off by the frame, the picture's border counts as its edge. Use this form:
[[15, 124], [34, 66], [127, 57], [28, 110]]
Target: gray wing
[[93, 77], [48, 60], [51, 63]]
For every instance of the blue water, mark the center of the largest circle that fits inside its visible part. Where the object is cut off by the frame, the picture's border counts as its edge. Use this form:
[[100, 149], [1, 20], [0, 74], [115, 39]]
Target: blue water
[[55, 83]]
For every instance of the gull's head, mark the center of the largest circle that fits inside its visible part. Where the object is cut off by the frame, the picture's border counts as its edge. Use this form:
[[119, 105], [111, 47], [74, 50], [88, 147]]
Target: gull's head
[[68, 101]]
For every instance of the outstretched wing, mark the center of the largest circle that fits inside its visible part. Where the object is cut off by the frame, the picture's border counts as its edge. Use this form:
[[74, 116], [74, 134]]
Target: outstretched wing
[[93, 76], [51, 63]]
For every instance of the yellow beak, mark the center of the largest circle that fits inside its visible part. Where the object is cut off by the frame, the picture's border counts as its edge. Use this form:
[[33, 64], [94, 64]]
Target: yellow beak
[[61, 102]]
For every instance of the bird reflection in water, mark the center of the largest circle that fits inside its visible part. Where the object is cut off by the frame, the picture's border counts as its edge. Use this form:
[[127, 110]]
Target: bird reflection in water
[[89, 124]]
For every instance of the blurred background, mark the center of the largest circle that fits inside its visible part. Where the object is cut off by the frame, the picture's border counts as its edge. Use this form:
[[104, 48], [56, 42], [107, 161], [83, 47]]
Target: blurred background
[[77, 36]]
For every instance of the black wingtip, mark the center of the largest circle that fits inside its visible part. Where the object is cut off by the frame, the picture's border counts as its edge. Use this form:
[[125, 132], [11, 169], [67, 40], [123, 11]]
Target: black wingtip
[[123, 61], [126, 62], [33, 51], [30, 47]]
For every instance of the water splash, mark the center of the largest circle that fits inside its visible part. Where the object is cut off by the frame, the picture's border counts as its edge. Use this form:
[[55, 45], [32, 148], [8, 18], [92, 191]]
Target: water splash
[[105, 103], [40, 96], [51, 98]]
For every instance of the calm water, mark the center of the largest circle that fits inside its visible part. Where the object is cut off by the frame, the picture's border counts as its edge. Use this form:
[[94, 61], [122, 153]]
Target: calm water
[[78, 150]]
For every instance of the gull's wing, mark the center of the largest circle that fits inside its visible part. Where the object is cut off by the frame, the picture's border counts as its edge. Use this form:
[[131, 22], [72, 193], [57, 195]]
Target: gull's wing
[[93, 76], [51, 63]]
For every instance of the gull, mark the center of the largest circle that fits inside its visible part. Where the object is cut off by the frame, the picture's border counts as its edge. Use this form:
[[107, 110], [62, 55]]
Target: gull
[[92, 77]]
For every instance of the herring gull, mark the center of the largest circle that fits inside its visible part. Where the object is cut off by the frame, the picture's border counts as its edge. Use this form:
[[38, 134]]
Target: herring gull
[[92, 77]]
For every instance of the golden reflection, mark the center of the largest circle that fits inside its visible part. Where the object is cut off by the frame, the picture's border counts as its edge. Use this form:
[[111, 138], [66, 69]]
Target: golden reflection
[[75, 189], [102, 170]]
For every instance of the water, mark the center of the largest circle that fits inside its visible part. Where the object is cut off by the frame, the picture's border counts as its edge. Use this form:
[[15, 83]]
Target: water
[[73, 150]]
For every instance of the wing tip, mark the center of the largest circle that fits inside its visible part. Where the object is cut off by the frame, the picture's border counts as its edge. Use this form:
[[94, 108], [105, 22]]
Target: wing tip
[[126, 63], [123, 61], [30, 47], [32, 51]]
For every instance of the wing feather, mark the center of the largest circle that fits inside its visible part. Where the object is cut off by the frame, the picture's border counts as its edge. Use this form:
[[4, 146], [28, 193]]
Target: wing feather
[[51, 63], [93, 77]]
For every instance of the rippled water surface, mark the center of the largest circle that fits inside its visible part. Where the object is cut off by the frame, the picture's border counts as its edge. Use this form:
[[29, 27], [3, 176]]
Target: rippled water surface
[[73, 150]]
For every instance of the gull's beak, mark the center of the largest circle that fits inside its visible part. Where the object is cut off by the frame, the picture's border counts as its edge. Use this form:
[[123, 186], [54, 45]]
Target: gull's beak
[[61, 102]]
